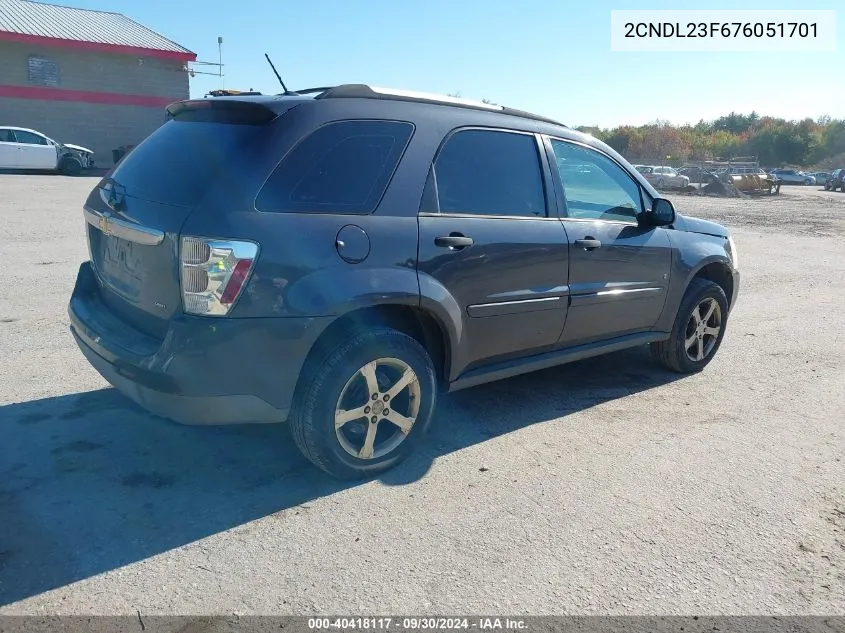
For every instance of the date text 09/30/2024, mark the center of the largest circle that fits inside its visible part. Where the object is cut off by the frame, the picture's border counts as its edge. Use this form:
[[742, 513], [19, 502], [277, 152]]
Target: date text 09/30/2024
[[416, 624]]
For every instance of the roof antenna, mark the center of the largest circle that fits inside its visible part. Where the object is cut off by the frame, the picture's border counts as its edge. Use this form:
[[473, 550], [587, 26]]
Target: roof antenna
[[278, 76]]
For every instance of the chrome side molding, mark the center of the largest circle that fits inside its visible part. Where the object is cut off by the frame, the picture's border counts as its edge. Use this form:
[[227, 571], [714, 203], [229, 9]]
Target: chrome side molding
[[110, 225]]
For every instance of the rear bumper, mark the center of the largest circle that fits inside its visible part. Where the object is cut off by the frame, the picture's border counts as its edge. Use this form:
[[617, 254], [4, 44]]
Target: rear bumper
[[204, 370]]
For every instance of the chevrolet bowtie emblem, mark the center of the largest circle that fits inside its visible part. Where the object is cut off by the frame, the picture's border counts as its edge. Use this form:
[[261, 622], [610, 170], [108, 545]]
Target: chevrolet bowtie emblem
[[104, 224]]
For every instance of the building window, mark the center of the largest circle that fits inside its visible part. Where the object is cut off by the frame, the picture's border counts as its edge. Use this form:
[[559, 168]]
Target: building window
[[42, 71]]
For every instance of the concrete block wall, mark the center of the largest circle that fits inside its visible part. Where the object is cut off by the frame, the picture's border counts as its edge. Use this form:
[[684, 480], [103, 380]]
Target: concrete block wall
[[100, 126]]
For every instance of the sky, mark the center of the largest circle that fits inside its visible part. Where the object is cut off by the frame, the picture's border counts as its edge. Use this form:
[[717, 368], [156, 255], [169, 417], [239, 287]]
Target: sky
[[551, 57]]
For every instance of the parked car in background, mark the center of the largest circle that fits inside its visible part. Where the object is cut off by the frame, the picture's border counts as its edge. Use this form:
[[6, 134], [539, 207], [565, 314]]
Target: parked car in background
[[665, 177], [381, 247], [22, 148], [793, 177], [836, 180], [697, 175], [820, 176]]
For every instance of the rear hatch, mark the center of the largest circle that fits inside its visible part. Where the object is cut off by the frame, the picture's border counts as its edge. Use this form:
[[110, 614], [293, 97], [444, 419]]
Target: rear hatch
[[135, 214]]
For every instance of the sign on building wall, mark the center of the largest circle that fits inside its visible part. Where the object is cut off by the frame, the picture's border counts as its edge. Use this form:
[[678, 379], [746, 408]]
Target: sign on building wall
[[42, 71]]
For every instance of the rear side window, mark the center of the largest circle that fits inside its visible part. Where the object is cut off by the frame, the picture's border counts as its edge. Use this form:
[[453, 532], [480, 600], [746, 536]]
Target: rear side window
[[6, 136], [342, 167], [492, 173]]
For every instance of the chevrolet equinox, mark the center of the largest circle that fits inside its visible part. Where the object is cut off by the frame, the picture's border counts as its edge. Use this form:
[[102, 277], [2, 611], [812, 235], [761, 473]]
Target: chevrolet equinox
[[336, 257]]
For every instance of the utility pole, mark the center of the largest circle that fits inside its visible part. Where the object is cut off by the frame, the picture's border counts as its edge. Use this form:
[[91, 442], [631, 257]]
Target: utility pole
[[220, 59], [192, 71]]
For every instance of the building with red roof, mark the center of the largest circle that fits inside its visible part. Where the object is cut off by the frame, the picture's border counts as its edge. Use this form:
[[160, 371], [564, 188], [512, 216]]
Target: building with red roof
[[92, 78]]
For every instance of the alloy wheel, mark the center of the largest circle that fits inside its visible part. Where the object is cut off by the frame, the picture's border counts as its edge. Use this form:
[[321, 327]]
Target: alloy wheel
[[377, 408], [703, 329]]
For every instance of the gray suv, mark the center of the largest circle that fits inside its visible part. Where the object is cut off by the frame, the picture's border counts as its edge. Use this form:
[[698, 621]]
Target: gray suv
[[337, 257]]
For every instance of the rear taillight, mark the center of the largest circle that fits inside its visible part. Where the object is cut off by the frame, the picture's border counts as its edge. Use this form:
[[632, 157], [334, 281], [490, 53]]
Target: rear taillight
[[213, 273]]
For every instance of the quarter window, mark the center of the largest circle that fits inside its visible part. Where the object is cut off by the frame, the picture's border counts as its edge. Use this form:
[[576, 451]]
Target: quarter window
[[595, 187], [6, 136], [490, 173], [342, 167]]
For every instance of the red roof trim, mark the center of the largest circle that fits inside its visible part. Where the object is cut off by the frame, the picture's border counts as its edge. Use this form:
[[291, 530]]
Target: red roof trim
[[99, 47], [42, 93]]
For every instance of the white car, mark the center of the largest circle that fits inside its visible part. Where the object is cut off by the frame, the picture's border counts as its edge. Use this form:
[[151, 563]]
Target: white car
[[664, 177], [21, 148]]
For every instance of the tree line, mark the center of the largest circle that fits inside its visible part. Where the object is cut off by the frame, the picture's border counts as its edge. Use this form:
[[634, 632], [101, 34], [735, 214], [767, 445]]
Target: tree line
[[774, 142]]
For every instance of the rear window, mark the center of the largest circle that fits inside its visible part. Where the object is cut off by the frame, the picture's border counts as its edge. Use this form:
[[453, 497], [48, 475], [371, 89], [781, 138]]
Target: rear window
[[342, 167], [180, 160]]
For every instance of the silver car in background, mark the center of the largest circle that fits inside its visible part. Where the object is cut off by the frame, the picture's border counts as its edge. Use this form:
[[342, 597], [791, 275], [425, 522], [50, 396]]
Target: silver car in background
[[793, 177]]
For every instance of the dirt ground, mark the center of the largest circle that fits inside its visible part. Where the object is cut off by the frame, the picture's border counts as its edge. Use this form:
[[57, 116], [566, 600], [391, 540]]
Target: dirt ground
[[606, 486]]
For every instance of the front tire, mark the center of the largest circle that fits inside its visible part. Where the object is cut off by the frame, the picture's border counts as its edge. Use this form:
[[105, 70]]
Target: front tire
[[365, 404], [698, 330], [70, 167]]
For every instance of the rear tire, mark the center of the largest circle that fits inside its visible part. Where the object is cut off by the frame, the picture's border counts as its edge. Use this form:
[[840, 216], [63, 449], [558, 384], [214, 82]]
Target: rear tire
[[337, 385], [692, 345]]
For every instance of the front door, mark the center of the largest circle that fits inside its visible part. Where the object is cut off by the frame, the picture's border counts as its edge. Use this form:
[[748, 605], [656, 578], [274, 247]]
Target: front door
[[487, 238], [35, 152], [618, 270]]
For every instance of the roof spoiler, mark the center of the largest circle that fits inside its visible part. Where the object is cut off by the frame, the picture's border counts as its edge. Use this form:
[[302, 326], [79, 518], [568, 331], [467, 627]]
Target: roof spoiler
[[220, 110]]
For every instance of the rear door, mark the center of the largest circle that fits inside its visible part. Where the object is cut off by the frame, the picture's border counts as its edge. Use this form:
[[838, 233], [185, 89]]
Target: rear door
[[487, 237], [135, 215], [35, 151], [8, 149], [618, 270]]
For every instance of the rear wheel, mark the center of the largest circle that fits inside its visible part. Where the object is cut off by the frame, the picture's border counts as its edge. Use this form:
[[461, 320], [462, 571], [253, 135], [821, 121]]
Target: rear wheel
[[698, 330], [365, 404]]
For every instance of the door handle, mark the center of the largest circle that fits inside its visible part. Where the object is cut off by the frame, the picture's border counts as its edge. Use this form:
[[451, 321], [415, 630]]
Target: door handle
[[455, 240], [588, 243]]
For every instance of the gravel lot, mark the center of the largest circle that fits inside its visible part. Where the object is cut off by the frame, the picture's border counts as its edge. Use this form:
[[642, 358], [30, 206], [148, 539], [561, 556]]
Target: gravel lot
[[607, 486]]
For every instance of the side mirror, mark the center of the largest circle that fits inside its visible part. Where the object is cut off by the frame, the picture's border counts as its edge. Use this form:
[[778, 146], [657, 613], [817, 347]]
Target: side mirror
[[662, 213]]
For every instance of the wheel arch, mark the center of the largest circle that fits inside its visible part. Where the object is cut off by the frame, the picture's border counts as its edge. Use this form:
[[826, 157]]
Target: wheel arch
[[719, 272], [420, 324]]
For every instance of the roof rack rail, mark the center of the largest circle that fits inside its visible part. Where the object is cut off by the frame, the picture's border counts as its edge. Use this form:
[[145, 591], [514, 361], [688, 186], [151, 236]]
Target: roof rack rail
[[364, 91], [307, 91]]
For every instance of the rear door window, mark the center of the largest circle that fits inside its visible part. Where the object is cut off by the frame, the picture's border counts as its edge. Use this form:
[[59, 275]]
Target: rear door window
[[492, 173], [342, 167]]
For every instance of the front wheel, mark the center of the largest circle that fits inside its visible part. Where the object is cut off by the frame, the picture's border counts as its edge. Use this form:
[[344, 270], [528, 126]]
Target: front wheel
[[698, 330], [365, 405], [70, 167]]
